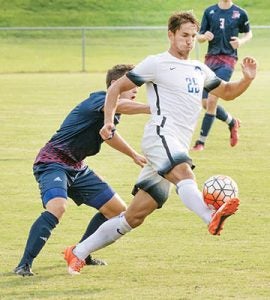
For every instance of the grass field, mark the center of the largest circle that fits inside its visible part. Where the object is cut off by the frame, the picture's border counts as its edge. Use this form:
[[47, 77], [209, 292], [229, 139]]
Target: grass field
[[171, 256], [110, 12], [61, 51]]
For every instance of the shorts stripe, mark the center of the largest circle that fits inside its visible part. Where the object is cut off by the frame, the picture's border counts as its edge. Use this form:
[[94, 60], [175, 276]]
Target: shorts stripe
[[165, 143], [157, 102]]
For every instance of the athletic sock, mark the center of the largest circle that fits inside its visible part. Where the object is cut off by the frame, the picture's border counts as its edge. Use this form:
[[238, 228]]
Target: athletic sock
[[207, 123], [189, 193], [230, 122], [38, 236], [106, 234], [93, 225], [223, 115]]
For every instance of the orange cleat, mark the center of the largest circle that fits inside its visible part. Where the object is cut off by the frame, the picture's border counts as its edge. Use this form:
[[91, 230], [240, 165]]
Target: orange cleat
[[234, 137], [74, 263], [225, 211]]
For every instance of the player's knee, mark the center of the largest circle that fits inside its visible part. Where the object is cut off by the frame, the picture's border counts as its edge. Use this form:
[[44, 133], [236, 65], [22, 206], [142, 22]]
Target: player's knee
[[204, 103], [134, 220], [57, 207], [212, 103], [113, 208]]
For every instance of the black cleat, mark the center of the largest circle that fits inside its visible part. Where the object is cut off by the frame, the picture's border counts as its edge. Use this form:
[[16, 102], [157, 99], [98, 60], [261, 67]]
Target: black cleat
[[199, 146], [24, 270], [90, 261]]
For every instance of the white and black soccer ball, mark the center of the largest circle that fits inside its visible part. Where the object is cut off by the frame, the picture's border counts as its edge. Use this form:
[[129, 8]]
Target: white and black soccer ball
[[218, 189]]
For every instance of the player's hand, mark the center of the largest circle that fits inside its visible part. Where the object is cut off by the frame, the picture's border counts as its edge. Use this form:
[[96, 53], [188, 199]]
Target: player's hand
[[249, 68], [139, 159], [107, 131], [235, 42], [208, 35]]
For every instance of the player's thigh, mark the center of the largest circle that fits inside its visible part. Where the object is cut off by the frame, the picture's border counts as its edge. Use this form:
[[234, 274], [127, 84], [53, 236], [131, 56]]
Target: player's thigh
[[156, 186], [165, 151], [142, 205], [90, 189], [52, 180], [180, 172]]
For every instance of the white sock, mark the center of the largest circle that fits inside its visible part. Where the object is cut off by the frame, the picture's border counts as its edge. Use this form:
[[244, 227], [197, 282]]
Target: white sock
[[189, 193], [106, 234], [229, 119]]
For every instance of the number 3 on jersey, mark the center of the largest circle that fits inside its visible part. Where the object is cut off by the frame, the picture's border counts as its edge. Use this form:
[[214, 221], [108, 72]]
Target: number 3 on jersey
[[192, 85]]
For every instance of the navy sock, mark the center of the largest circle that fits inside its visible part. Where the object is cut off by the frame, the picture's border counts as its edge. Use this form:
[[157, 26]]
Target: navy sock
[[221, 114], [207, 123], [38, 236], [93, 225]]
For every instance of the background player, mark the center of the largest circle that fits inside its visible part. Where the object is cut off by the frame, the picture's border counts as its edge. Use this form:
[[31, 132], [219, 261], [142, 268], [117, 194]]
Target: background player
[[221, 24], [61, 172]]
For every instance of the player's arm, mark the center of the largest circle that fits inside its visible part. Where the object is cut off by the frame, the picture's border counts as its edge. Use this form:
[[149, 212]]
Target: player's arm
[[118, 143], [129, 107], [236, 42], [233, 89], [207, 36], [119, 86]]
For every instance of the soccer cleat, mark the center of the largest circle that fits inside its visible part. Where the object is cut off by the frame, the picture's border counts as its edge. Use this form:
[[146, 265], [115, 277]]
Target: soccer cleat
[[90, 261], [74, 263], [199, 146], [24, 270], [234, 137], [225, 211]]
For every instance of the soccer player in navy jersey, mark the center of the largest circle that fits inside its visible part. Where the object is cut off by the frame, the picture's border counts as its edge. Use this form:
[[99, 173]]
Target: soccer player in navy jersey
[[174, 85], [60, 170], [221, 25]]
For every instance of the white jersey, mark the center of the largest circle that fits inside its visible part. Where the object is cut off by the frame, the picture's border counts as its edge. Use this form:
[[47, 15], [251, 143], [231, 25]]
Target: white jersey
[[174, 92]]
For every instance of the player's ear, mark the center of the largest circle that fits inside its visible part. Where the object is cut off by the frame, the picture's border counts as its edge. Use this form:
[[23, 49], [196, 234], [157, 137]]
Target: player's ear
[[112, 82], [170, 34]]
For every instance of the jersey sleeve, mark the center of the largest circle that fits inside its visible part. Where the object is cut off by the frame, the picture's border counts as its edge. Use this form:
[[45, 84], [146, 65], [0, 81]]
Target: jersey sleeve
[[211, 80], [204, 24], [143, 72], [244, 26], [95, 102]]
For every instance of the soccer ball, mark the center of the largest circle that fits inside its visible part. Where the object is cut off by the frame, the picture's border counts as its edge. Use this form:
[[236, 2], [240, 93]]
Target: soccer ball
[[218, 189]]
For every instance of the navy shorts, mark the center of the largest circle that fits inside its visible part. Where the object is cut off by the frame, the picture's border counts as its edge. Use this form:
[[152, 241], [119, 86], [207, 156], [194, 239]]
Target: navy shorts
[[82, 186], [224, 72]]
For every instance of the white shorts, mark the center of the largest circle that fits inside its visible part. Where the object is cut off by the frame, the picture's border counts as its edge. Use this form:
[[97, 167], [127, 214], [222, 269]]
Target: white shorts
[[163, 152]]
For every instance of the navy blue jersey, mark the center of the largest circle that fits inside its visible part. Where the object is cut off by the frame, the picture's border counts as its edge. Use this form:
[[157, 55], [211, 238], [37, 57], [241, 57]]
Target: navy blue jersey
[[78, 136], [224, 23]]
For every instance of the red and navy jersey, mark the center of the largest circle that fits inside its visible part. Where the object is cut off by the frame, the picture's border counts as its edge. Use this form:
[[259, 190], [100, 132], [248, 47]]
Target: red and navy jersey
[[78, 136], [224, 24]]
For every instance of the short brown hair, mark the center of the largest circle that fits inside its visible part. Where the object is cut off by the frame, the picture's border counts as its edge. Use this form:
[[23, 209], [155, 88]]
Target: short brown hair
[[179, 18], [116, 72]]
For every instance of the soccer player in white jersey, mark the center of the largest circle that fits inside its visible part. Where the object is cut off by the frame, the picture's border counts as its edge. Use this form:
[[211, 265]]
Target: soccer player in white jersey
[[174, 89]]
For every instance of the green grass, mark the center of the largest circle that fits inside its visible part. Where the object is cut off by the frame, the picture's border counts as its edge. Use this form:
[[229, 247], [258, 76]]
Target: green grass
[[103, 48], [171, 256], [61, 51], [108, 12]]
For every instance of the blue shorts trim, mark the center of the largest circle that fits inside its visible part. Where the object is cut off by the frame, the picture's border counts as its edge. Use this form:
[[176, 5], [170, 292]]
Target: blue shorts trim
[[101, 198], [82, 186], [53, 193]]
